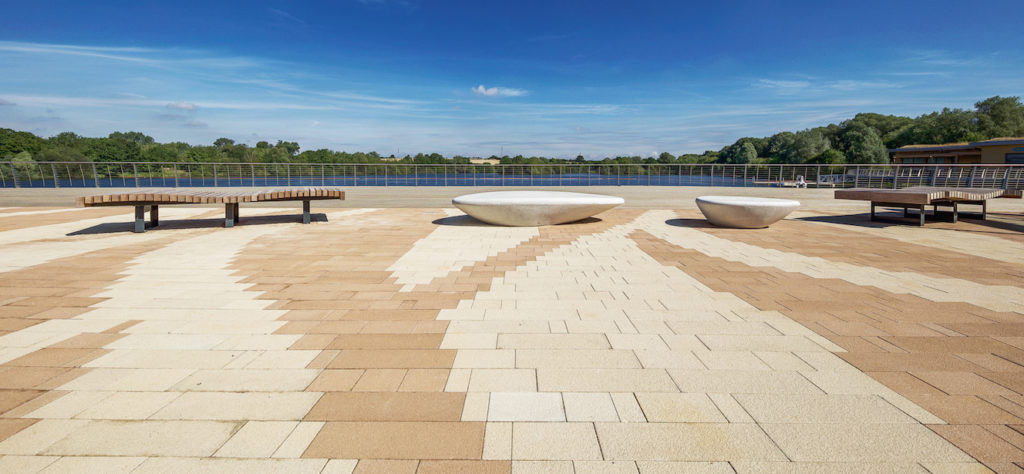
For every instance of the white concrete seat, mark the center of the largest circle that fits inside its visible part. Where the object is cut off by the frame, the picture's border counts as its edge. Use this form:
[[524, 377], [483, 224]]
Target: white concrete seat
[[533, 208], [745, 212]]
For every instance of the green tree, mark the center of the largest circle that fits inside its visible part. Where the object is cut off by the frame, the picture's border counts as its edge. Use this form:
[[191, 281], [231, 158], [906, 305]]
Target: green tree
[[863, 145], [666, 158], [13, 143], [137, 137], [289, 147], [223, 142], [806, 145], [1000, 117]]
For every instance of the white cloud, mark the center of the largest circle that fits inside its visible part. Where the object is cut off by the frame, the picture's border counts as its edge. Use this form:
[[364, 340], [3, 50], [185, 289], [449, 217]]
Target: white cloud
[[498, 91], [6, 102], [179, 105]]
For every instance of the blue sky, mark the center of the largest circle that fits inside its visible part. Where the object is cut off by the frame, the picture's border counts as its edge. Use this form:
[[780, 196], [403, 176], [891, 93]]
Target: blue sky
[[477, 78]]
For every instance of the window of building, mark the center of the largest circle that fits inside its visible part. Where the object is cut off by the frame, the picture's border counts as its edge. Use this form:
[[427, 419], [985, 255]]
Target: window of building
[[1015, 158]]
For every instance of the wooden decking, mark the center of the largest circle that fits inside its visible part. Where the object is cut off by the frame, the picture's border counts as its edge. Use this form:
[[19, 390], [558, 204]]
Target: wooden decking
[[918, 197], [153, 198], [186, 196]]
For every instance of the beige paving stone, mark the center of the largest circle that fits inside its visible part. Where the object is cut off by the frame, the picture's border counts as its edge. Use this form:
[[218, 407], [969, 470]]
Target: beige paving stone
[[525, 406], [497, 441], [684, 342], [589, 407], [730, 408], [669, 467], [627, 408], [820, 408], [679, 408], [783, 361], [469, 341], [955, 468], [889, 442], [143, 438], [542, 467], [239, 406], [257, 439], [606, 467], [39, 436], [128, 380], [128, 405], [245, 380], [216, 466], [484, 359], [503, 380], [577, 359], [731, 360], [744, 467], [649, 342], [93, 464], [168, 341], [286, 359], [298, 440], [554, 441], [165, 359], [552, 341], [669, 360], [69, 405], [266, 342], [604, 380], [476, 406], [458, 380], [25, 463], [686, 442], [340, 466], [741, 381]]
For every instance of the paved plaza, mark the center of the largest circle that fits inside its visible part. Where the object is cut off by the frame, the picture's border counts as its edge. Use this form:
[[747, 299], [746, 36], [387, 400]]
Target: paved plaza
[[413, 339]]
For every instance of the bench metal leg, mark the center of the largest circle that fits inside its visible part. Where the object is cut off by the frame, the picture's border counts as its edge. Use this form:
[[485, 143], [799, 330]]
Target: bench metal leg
[[954, 212], [238, 215], [984, 210], [229, 215], [872, 210], [921, 224], [305, 212], [906, 212], [154, 215], [140, 219]]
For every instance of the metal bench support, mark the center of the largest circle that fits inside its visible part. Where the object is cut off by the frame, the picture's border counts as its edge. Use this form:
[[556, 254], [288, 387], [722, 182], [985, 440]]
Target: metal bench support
[[305, 212], [154, 215], [229, 214], [140, 219]]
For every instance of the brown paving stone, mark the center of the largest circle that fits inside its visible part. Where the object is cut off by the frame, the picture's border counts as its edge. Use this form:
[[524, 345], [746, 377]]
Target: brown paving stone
[[424, 380], [398, 440], [10, 399], [57, 357], [386, 341], [88, 341], [920, 352], [385, 466], [465, 467], [387, 406], [380, 380], [336, 380], [27, 377], [858, 248], [10, 427]]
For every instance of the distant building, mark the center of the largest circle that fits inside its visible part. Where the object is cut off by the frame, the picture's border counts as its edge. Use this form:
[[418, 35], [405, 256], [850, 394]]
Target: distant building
[[481, 161], [1009, 150]]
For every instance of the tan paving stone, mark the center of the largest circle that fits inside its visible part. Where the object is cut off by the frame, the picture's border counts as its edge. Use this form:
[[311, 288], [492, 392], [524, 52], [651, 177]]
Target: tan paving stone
[[214, 465], [238, 406], [604, 380], [679, 408], [143, 438], [128, 405], [589, 407], [886, 442], [554, 441], [686, 442], [525, 406], [387, 406], [398, 440], [257, 439]]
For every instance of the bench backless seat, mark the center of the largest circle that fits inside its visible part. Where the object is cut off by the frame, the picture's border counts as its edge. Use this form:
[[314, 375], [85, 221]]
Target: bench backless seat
[[154, 198], [917, 197]]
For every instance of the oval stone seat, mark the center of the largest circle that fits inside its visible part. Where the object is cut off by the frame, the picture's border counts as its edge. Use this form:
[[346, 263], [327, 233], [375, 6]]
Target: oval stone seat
[[744, 212], [533, 208]]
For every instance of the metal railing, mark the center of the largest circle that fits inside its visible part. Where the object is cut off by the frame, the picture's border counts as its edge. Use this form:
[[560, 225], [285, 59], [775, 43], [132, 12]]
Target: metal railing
[[14, 174]]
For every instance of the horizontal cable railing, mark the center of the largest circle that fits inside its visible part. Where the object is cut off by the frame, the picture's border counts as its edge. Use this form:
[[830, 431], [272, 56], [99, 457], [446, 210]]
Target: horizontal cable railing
[[31, 174]]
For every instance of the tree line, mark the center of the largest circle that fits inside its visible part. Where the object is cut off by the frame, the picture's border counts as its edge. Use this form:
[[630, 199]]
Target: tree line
[[864, 138]]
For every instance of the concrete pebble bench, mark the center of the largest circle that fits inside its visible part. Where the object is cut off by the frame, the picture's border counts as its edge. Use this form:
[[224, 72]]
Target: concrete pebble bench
[[534, 208], [745, 212]]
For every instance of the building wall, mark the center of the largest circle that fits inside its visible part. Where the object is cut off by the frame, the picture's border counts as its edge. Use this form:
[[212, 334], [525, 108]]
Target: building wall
[[997, 154]]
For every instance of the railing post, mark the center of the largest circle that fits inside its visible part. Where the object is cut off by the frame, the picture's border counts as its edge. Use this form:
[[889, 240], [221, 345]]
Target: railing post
[[935, 172], [14, 175], [895, 175], [970, 181], [95, 176], [385, 176], [215, 175], [856, 177], [176, 184], [135, 171], [323, 179], [1006, 178], [288, 174], [745, 175]]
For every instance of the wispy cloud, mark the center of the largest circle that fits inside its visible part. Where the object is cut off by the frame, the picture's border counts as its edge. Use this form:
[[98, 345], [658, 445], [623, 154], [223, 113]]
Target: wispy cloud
[[6, 102], [120, 54], [498, 91], [283, 15], [179, 105]]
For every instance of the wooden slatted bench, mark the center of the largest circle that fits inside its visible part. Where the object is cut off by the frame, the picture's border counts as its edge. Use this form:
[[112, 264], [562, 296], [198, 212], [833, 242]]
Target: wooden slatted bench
[[917, 197], [154, 198]]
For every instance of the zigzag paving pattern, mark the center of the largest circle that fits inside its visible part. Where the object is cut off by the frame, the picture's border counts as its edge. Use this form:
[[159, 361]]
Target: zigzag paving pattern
[[418, 340]]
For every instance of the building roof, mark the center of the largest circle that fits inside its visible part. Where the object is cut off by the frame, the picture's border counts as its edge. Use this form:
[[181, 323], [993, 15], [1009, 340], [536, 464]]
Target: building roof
[[960, 145]]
